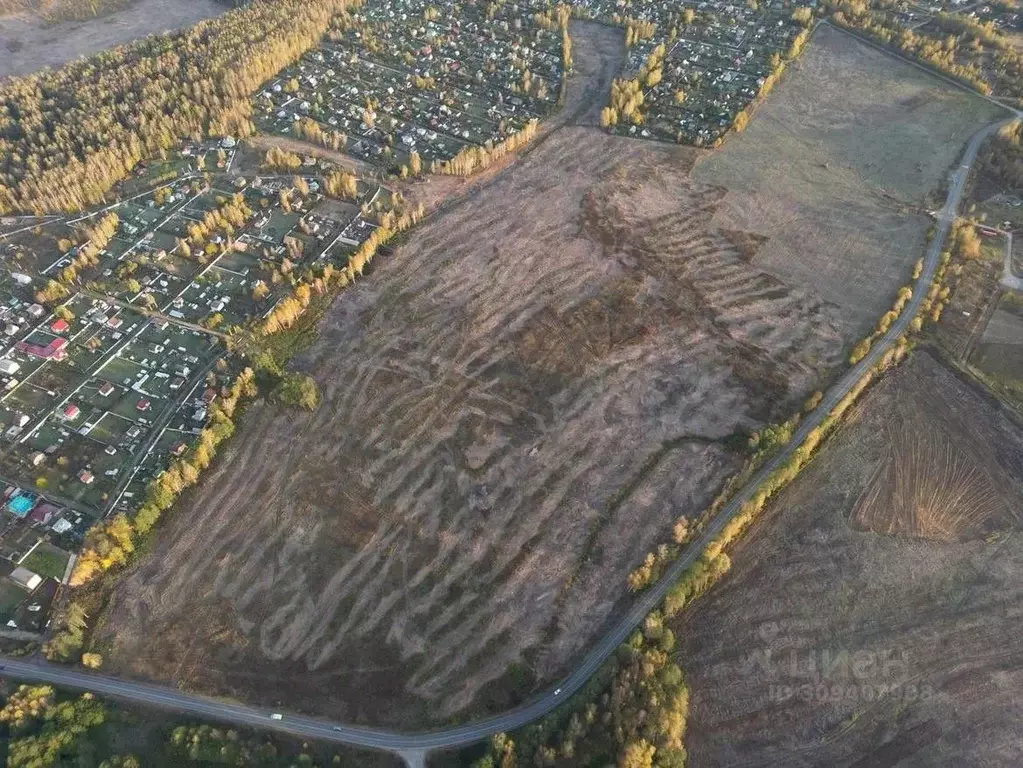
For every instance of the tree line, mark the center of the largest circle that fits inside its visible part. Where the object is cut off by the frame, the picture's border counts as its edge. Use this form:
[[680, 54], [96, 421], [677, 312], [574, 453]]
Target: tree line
[[628, 95], [45, 730], [713, 562], [41, 727], [310, 130], [477, 158], [109, 545], [328, 278], [953, 44], [646, 735], [1003, 158], [633, 714]]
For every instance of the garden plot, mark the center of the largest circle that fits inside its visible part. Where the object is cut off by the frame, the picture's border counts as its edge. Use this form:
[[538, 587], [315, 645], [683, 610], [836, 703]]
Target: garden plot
[[48, 561], [436, 85], [999, 353], [219, 293]]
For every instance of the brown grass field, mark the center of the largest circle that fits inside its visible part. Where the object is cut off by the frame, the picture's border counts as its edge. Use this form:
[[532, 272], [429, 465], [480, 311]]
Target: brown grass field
[[29, 42], [830, 644], [838, 169], [518, 403]]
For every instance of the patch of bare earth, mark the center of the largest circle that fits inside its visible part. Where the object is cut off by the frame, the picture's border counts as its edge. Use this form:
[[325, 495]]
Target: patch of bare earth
[[934, 479], [829, 644], [517, 404], [305, 148]]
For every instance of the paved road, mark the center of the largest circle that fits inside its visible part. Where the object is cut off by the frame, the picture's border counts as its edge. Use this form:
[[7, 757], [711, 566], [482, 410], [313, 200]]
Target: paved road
[[413, 746]]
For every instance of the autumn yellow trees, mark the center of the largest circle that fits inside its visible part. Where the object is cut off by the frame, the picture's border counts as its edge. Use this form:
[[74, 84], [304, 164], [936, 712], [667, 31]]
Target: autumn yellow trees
[[95, 236], [863, 347], [966, 241], [637, 30], [803, 15], [652, 70], [627, 95], [107, 544], [632, 715], [298, 390], [1004, 157], [310, 130], [476, 158], [67, 136], [961, 47], [45, 729], [281, 160], [626, 99], [341, 184]]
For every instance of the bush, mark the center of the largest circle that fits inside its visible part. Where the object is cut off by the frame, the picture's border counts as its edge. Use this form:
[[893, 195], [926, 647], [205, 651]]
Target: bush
[[92, 660], [298, 390]]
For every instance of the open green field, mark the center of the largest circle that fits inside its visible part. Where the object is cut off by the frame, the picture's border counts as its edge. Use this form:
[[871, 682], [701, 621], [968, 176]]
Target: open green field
[[121, 371], [30, 398], [111, 429]]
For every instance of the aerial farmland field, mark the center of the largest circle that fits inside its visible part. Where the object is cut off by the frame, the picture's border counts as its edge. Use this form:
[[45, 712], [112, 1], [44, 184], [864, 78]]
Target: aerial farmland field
[[868, 615], [520, 401]]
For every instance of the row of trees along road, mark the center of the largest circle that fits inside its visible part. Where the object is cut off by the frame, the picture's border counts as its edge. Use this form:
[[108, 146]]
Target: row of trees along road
[[67, 136]]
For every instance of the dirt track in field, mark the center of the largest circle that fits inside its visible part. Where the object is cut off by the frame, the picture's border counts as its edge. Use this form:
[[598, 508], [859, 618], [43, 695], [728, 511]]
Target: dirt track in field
[[517, 405], [831, 645]]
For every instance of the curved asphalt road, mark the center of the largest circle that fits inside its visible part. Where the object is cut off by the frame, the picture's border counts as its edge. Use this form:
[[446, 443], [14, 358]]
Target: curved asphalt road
[[412, 747]]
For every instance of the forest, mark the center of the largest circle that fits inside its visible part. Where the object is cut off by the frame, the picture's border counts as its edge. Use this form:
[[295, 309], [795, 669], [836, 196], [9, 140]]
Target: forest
[[41, 727], [632, 714]]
